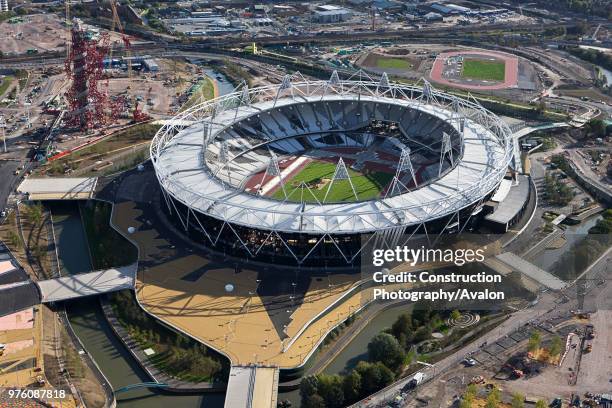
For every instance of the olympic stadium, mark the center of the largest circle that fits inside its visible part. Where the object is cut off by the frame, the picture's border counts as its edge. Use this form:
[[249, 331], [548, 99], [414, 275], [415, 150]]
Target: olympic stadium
[[307, 172]]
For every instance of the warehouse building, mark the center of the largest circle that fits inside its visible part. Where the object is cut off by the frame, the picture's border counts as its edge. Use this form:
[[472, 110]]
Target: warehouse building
[[331, 14]]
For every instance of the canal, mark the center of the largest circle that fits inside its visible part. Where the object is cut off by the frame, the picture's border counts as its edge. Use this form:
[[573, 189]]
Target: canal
[[356, 350], [551, 260], [89, 324]]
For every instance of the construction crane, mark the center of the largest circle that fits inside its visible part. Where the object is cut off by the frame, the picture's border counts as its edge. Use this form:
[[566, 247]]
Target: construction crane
[[137, 114]]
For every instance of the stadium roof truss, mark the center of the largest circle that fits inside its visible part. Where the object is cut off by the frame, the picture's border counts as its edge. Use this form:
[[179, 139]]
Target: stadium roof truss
[[386, 219]]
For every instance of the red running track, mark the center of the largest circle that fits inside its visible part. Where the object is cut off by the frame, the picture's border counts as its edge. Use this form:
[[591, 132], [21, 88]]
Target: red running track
[[510, 80]]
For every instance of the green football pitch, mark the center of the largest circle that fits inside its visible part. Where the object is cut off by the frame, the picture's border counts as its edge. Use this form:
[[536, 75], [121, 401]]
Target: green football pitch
[[484, 70], [366, 186], [393, 63]]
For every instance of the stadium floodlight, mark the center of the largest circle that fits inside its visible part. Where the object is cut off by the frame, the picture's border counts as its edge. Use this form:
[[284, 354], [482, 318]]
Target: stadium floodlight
[[446, 150], [224, 159], [334, 79], [427, 92], [383, 83], [243, 100], [285, 84], [404, 164], [341, 173]]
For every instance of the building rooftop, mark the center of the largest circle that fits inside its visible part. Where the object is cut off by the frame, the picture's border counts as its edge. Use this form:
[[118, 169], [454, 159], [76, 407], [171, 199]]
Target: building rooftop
[[512, 204]]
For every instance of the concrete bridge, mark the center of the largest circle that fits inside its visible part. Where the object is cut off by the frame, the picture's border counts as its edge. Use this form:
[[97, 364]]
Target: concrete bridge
[[87, 284], [525, 267]]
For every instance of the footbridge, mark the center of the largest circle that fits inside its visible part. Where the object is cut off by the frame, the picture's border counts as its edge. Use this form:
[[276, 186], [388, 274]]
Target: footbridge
[[522, 132], [150, 384], [87, 284], [530, 270]]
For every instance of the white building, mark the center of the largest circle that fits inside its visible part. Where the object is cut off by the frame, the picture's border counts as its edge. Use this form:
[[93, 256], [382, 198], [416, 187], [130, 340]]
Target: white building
[[331, 14], [4, 6]]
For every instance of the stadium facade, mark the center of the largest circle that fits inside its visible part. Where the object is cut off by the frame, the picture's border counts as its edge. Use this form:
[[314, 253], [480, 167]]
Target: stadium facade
[[227, 167]]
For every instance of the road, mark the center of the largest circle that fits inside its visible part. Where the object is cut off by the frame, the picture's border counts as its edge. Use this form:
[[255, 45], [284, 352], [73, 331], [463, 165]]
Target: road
[[8, 180]]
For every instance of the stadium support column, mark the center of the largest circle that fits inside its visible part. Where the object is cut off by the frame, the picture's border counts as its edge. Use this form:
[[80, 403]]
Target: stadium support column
[[447, 149], [273, 170], [341, 173]]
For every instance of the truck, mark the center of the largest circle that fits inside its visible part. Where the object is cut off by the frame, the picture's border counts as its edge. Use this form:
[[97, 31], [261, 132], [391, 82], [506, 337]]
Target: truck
[[417, 379]]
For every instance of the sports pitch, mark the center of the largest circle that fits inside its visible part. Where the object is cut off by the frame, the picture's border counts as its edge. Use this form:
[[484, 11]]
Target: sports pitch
[[484, 70], [317, 176], [393, 63]]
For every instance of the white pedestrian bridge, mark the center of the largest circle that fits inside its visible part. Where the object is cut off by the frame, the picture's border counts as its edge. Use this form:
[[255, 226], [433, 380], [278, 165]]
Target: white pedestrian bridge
[[87, 284]]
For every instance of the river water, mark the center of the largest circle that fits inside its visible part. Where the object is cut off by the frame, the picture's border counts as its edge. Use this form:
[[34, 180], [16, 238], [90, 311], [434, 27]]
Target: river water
[[225, 86], [98, 339], [574, 234]]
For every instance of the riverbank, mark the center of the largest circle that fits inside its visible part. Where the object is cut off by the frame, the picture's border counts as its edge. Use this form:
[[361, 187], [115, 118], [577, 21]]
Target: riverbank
[[173, 384]]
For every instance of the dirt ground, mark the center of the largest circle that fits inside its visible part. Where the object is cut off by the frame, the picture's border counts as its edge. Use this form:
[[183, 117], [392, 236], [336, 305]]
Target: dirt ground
[[41, 31], [145, 88], [551, 381]]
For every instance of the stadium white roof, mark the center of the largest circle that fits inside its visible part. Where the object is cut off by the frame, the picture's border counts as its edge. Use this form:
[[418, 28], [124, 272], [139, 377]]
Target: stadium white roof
[[182, 173]]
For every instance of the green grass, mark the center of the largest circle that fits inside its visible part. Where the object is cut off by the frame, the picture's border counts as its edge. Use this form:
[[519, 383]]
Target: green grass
[[393, 63], [202, 91], [484, 70], [367, 186], [6, 82]]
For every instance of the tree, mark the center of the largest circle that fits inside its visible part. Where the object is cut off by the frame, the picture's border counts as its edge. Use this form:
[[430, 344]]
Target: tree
[[555, 347], [386, 349], [455, 314], [493, 398], [308, 387], [403, 325], [331, 390], [351, 385], [467, 399], [518, 400], [597, 127], [313, 401], [534, 341], [374, 376]]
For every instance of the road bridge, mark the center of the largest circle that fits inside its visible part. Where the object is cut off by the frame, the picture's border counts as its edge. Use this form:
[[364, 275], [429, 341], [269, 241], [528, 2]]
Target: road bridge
[[87, 284], [252, 386], [530, 270]]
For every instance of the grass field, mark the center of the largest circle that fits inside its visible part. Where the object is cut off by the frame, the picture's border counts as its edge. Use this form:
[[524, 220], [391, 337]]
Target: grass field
[[484, 70], [5, 83], [393, 63], [202, 91], [367, 186]]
